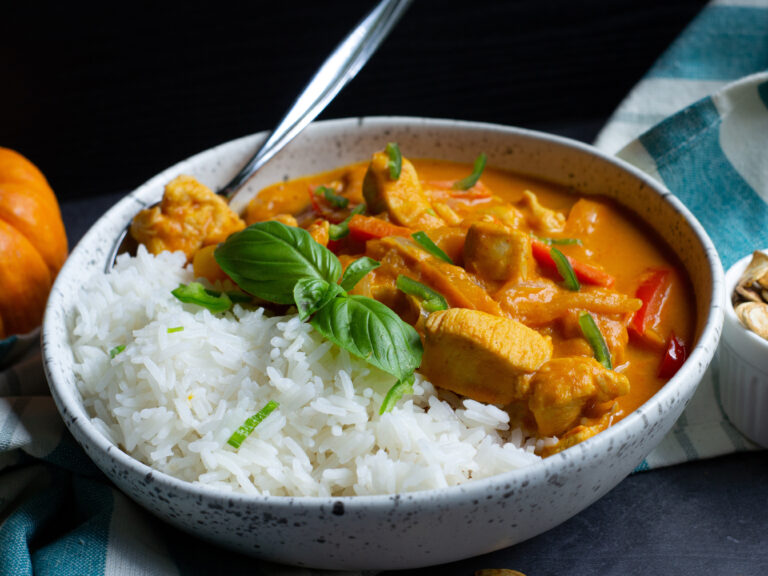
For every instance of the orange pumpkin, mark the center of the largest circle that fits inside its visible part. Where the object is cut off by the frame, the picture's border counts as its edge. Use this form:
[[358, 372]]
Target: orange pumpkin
[[33, 243]]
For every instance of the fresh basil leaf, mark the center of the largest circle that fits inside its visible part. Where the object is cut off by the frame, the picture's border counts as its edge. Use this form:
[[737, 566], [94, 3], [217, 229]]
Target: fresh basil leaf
[[471, 180], [311, 294], [267, 259], [195, 293], [395, 163], [404, 386], [357, 270], [431, 247], [369, 330]]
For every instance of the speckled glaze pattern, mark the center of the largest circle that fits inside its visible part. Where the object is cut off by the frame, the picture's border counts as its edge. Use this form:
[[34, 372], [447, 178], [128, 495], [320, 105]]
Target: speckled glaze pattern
[[413, 529]]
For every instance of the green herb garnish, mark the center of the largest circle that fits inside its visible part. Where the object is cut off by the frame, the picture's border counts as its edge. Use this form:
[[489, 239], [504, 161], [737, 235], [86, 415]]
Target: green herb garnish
[[565, 269], [175, 329], [431, 300], [395, 163], [558, 241], [285, 265], [357, 270], [397, 391], [471, 180], [195, 293], [595, 338], [339, 231], [116, 350], [331, 197], [249, 425], [431, 247]]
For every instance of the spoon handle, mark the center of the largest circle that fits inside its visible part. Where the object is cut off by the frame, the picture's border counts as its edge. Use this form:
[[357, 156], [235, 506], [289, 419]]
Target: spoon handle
[[340, 67]]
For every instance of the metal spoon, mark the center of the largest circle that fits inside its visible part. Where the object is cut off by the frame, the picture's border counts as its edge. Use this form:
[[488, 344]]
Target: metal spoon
[[338, 69]]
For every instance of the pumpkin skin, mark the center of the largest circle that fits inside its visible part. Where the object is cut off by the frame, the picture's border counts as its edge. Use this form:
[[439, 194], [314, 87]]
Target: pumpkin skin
[[33, 243]]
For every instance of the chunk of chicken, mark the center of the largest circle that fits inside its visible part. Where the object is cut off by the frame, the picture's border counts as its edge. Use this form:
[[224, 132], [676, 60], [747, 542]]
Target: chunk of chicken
[[189, 217], [319, 229], [276, 200], [495, 252], [541, 218], [563, 387], [485, 357], [403, 199]]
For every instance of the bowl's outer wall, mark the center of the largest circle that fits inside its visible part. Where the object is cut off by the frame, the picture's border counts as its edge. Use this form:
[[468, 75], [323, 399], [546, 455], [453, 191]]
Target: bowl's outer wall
[[409, 530]]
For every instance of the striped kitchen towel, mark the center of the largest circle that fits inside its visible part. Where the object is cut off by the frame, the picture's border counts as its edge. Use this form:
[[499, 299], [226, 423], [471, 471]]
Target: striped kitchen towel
[[698, 122]]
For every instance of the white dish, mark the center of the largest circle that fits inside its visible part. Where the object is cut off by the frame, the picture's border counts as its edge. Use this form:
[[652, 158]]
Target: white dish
[[421, 528]]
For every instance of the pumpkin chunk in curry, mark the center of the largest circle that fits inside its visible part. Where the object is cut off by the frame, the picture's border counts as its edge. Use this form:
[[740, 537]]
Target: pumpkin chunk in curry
[[500, 253]]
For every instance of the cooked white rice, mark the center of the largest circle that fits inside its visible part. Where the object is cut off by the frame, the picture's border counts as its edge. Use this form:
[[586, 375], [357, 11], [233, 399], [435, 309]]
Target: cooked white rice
[[172, 400]]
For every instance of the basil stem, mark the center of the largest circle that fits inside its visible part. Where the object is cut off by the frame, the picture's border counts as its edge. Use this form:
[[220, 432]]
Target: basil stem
[[116, 350], [267, 259], [595, 338], [471, 180], [395, 164], [195, 293], [356, 271], [250, 424], [331, 197], [431, 300], [431, 247], [339, 231], [565, 269], [404, 386]]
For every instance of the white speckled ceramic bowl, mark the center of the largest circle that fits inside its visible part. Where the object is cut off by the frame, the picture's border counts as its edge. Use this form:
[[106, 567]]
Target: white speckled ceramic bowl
[[412, 529], [743, 368]]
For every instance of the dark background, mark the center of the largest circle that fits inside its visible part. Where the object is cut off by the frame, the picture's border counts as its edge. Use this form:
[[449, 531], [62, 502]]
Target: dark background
[[102, 99]]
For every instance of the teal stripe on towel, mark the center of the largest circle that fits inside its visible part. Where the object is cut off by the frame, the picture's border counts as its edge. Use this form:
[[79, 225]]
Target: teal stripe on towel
[[688, 157], [722, 43]]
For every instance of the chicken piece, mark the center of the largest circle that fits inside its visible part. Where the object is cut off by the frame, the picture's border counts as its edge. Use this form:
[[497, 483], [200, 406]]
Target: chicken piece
[[540, 217], [319, 230], [275, 200], [403, 199], [287, 219], [505, 214], [404, 256], [189, 217], [564, 387], [495, 252], [485, 357], [204, 265]]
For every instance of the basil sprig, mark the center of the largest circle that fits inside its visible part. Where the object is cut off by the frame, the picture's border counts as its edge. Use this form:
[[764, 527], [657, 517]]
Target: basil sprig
[[285, 265], [471, 180]]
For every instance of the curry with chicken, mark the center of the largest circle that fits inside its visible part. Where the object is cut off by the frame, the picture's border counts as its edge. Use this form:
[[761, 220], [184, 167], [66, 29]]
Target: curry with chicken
[[562, 309]]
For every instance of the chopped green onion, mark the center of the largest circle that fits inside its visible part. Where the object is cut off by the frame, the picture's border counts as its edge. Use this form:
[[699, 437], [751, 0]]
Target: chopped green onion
[[404, 386], [471, 180], [339, 231], [431, 247], [239, 435], [195, 293], [116, 350], [331, 197], [565, 269], [395, 163], [559, 241], [175, 329], [432, 300], [595, 338]]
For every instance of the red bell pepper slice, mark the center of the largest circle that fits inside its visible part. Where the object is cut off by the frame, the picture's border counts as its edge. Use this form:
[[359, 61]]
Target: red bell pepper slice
[[586, 273], [673, 358], [653, 292], [362, 228]]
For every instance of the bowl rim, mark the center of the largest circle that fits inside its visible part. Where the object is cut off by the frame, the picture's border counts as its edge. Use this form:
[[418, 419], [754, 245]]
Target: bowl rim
[[688, 376]]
